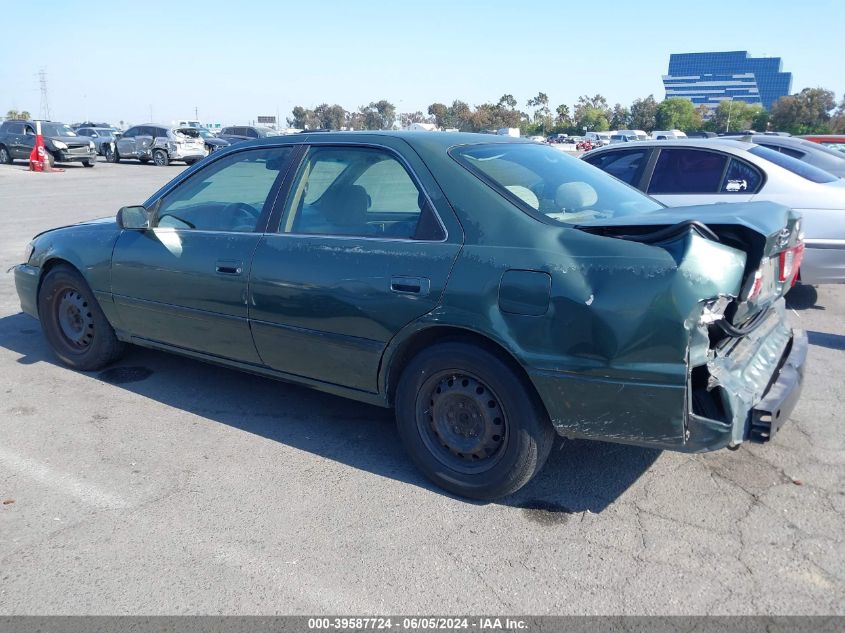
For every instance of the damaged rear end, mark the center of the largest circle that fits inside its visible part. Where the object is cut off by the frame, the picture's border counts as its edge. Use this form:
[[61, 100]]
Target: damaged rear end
[[744, 361]]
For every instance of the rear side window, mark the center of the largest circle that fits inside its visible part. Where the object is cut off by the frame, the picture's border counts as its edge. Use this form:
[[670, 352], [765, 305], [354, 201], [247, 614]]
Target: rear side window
[[683, 171], [786, 150], [741, 178], [251, 133], [354, 191], [797, 167], [627, 166], [13, 128]]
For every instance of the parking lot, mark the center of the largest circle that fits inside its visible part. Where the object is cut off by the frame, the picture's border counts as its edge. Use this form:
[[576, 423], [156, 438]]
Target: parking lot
[[164, 485]]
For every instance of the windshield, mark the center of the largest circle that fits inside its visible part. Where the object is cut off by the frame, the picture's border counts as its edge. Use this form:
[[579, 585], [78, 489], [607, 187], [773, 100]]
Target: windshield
[[266, 131], [797, 167], [56, 129], [550, 184], [205, 133]]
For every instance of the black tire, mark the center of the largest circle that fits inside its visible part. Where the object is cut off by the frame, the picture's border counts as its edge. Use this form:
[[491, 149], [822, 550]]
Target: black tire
[[74, 323], [111, 155], [51, 159], [88, 163], [190, 161], [160, 158], [469, 423], [5, 156]]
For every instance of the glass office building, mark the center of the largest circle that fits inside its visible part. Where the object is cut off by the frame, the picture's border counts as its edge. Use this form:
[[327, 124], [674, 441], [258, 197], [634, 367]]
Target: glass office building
[[709, 78]]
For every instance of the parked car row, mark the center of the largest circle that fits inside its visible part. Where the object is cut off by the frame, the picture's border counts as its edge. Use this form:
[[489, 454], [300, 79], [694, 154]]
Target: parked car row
[[63, 144]]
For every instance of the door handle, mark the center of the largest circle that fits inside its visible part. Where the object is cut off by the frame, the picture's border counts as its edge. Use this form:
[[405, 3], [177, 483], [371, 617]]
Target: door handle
[[229, 267], [410, 285]]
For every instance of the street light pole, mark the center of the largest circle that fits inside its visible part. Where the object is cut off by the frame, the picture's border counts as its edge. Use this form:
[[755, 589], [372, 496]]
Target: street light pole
[[730, 107]]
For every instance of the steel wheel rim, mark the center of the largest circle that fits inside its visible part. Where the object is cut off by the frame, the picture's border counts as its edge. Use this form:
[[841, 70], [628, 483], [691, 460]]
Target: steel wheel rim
[[75, 320], [461, 421]]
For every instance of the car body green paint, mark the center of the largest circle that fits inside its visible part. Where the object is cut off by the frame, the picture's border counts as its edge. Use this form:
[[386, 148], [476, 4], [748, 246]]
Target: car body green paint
[[611, 355]]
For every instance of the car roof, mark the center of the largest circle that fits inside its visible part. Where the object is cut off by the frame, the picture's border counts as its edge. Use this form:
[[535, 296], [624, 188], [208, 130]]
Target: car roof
[[702, 143], [444, 140]]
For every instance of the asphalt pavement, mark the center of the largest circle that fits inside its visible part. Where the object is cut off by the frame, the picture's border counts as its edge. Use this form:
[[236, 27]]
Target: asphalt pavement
[[168, 486]]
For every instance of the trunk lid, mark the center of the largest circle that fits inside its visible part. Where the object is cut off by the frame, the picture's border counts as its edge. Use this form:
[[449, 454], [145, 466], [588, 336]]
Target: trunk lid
[[769, 234]]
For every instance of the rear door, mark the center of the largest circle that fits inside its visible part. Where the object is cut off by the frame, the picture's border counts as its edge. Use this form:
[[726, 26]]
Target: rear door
[[126, 143], [184, 282], [689, 176], [360, 252]]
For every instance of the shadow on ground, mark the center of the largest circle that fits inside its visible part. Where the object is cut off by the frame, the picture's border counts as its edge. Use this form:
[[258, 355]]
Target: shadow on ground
[[823, 339], [579, 476], [803, 297]]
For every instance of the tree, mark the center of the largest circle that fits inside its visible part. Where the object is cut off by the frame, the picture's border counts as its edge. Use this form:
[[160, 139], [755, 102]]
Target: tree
[[507, 102], [592, 114], [330, 117], [14, 114], [379, 115], [542, 114], [735, 116], [676, 113], [837, 121], [563, 120], [644, 113], [620, 117], [803, 113], [407, 118], [303, 118]]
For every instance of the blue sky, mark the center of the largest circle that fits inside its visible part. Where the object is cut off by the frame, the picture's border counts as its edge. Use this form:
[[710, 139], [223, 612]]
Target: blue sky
[[235, 60]]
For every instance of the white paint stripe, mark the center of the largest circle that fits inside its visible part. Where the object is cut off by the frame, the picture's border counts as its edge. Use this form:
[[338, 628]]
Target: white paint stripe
[[63, 482]]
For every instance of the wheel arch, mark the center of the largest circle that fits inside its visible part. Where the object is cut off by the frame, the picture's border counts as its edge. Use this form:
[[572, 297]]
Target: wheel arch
[[414, 342]]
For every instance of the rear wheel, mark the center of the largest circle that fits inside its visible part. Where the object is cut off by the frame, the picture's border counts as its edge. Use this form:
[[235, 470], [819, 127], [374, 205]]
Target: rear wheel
[[190, 161], [88, 163], [160, 158], [5, 156], [74, 323], [470, 423], [111, 154]]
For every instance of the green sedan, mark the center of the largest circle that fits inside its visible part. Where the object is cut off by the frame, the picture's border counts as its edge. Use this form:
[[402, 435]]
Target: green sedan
[[493, 292]]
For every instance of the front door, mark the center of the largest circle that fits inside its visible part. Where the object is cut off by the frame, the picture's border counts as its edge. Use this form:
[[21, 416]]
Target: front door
[[126, 143], [360, 253], [184, 281]]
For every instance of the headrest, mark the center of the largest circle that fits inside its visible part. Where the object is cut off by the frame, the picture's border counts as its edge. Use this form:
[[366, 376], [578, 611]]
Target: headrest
[[525, 194], [347, 206], [574, 196]]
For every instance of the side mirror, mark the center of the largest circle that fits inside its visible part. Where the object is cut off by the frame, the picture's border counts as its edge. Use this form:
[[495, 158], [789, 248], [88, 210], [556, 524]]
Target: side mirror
[[134, 217]]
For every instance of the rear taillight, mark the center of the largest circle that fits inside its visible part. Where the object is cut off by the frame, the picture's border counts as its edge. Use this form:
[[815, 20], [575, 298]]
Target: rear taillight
[[756, 286], [789, 263]]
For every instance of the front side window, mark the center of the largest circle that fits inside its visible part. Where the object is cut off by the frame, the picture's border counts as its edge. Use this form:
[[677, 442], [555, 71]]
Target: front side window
[[228, 195], [686, 171], [626, 165], [131, 132], [545, 182], [353, 191]]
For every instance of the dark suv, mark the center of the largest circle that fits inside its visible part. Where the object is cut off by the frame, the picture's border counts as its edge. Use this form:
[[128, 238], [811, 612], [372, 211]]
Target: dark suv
[[238, 133], [63, 145]]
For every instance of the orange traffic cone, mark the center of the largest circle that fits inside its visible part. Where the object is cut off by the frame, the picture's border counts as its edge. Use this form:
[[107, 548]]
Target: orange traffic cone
[[38, 153]]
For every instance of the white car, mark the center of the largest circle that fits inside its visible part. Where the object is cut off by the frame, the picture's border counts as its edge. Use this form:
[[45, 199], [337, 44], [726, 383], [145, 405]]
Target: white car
[[685, 172]]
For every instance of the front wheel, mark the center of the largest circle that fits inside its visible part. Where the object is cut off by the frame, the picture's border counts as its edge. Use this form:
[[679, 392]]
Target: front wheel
[[88, 163], [74, 323], [111, 154], [5, 156], [160, 158], [470, 423]]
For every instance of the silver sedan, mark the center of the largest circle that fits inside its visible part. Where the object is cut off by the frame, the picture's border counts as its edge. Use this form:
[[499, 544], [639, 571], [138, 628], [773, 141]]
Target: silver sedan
[[690, 172]]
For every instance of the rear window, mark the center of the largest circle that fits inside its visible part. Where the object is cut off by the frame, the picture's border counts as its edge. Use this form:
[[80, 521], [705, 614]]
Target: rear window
[[549, 184], [797, 167]]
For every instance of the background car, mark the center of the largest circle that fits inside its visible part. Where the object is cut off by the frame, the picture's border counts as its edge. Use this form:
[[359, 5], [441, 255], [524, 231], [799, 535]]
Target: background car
[[238, 133], [830, 160], [160, 144], [833, 141], [212, 143], [63, 145], [687, 171], [103, 137]]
